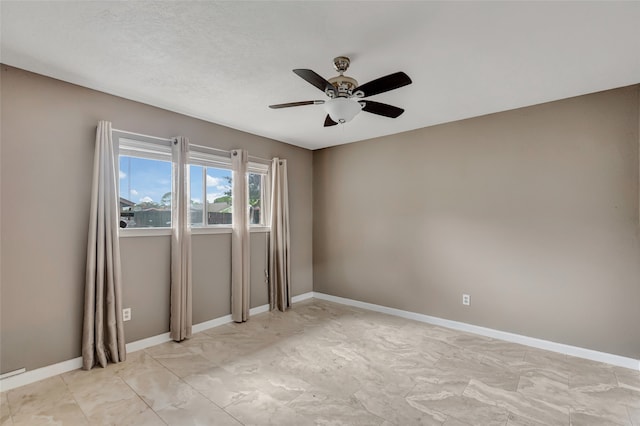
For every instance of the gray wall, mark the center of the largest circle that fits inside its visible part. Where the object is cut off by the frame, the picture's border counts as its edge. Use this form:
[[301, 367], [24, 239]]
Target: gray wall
[[48, 135], [533, 212]]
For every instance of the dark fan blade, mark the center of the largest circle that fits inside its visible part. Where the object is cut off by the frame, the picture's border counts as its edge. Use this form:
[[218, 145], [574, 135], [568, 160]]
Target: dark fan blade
[[315, 79], [381, 109], [384, 84], [329, 122], [294, 104]]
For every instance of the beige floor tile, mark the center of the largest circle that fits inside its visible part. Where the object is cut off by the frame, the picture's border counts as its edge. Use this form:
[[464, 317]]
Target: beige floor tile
[[48, 401], [147, 417], [395, 408], [579, 418], [322, 407], [323, 363], [196, 410], [516, 420], [634, 415], [5, 412], [586, 374], [108, 400], [628, 379], [160, 388], [516, 403], [225, 388], [258, 408], [184, 363], [472, 365]]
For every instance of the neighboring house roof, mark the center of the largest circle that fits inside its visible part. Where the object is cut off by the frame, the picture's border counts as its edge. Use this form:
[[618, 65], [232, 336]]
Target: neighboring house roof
[[126, 203], [217, 207]]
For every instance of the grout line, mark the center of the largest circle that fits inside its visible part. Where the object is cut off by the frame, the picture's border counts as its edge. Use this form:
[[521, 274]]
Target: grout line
[[66, 385], [140, 396]]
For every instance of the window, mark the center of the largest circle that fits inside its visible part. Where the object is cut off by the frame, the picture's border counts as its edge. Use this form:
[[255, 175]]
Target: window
[[145, 187], [210, 186], [257, 199], [145, 184], [210, 193], [258, 194]]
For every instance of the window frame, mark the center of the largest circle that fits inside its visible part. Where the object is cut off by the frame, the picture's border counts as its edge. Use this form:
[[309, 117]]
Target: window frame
[[265, 195], [155, 148], [198, 157], [148, 148]]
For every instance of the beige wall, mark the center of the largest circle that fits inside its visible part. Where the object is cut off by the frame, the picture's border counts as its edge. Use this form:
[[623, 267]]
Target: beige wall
[[533, 212], [48, 134]]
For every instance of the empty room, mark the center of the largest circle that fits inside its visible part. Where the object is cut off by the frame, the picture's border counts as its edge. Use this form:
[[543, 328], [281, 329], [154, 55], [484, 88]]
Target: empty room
[[319, 213]]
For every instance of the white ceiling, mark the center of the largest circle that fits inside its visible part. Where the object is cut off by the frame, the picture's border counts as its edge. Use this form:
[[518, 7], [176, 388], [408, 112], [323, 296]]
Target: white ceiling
[[224, 62]]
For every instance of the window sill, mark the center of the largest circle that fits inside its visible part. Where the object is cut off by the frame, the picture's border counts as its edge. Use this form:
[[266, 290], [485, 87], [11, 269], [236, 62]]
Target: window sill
[[211, 230], [259, 229], [159, 232], [144, 232]]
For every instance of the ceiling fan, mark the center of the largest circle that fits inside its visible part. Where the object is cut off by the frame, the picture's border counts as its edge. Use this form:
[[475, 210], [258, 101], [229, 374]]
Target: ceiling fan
[[346, 98]]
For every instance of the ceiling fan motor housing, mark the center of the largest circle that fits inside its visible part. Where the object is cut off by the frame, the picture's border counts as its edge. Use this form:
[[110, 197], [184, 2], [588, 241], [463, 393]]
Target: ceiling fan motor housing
[[344, 85]]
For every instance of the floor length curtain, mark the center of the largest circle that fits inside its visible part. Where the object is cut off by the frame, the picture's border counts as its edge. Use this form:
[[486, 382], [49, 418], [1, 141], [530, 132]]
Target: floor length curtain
[[103, 332], [240, 250], [279, 241], [181, 308]]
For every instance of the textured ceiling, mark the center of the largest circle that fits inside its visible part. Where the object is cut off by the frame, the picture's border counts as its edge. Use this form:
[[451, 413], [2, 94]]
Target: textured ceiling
[[224, 62]]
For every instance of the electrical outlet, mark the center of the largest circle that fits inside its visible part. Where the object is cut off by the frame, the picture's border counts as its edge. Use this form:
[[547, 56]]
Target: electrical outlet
[[466, 299], [126, 314]]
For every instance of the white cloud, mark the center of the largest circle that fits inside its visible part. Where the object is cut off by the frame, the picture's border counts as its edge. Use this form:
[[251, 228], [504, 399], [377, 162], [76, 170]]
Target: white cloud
[[213, 181], [212, 197], [146, 199], [122, 174], [134, 192]]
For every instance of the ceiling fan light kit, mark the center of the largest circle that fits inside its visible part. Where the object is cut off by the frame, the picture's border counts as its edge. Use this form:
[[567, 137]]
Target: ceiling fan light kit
[[342, 110], [346, 96]]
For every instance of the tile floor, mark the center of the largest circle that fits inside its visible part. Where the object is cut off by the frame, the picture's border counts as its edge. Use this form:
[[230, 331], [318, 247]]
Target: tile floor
[[328, 364]]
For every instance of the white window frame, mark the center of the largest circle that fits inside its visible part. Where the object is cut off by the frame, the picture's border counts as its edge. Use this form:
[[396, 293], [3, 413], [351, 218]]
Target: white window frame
[[150, 148], [153, 148], [265, 196], [198, 156]]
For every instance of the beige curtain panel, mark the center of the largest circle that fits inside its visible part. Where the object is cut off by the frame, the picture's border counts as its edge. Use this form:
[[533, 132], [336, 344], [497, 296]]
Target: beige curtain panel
[[103, 332], [279, 241], [181, 308], [240, 249]]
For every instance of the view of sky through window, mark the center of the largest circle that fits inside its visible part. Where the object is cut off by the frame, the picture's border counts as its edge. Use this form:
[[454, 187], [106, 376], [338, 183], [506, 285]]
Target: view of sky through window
[[218, 183], [144, 180]]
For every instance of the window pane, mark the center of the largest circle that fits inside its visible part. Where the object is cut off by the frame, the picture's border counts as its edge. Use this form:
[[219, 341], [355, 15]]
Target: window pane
[[218, 187], [197, 195], [145, 193], [255, 199]]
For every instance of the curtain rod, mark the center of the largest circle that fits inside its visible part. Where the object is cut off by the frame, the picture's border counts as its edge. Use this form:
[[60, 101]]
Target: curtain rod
[[208, 148], [259, 159], [223, 151], [144, 136]]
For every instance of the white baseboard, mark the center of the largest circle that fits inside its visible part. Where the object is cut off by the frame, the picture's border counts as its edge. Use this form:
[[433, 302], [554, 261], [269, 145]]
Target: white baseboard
[[301, 297], [73, 364], [259, 310], [42, 373], [138, 345], [590, 354]]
